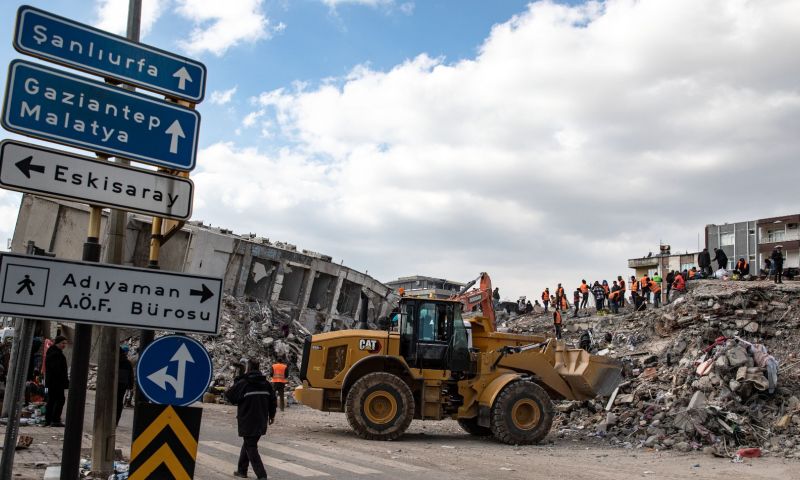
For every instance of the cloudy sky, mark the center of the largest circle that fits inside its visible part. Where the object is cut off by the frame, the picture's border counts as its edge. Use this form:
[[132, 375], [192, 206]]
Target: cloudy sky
[[541, 142]]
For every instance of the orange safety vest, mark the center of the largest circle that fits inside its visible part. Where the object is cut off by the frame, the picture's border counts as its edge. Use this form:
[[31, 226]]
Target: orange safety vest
[[545, 296], [645, 281], [584, 288], [556, 317], [614, 295], [278, 373], [564, 304], [654, 287], [634, 286], [741, 265], [606, 289], [622, 285], [560, 292], [691, 274]]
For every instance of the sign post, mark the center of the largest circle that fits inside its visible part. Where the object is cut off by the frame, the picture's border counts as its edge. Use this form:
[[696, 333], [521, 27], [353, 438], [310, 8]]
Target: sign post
[[66, 108], [51, 173]]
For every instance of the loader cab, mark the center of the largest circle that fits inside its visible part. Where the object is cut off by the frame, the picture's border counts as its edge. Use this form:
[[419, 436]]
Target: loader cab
[[433, 335]]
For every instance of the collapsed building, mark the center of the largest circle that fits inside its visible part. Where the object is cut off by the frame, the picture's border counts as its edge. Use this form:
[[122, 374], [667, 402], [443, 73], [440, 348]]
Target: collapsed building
[[301, 285]]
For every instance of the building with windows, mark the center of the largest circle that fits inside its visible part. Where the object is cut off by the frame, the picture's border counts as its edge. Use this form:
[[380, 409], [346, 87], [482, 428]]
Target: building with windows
[[779, 231], [422, 286], [737, 240], [669, 261], [754, 240]]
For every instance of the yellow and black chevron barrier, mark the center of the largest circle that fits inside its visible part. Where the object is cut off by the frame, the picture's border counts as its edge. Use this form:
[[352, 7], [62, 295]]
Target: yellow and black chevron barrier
[[164, 442]]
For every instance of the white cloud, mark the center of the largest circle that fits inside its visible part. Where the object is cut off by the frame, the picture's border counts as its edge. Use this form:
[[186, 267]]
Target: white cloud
[[580, 136], [250, 119], [112, 15], [369, 3], [220, 25], [221, 97]]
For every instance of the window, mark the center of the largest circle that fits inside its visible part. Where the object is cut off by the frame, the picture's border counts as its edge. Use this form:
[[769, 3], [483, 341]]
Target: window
[[433, 326], [726, 239], [776, 235]]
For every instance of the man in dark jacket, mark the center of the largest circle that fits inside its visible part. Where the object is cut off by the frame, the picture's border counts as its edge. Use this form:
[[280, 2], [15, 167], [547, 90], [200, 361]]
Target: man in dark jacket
[[255, 401], [124, 379], [721, 258], [777, 263], [56, 381], [704, 262]]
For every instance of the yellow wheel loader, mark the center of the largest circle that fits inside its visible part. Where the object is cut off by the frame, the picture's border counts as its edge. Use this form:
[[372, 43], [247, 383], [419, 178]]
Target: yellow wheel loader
[[430, 364]]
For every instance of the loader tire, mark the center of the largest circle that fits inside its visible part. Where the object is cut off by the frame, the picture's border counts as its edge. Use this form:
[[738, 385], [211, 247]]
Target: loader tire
[[470, 425], [522, 414], [379, 406]]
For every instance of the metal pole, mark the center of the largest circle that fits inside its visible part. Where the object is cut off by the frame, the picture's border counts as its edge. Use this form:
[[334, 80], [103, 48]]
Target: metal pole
[[12, 363], [79, 368], [105, 414], [20, 360]]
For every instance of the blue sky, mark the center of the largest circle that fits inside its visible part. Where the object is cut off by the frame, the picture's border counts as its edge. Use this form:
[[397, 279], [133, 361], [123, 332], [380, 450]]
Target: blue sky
[[541, 142]]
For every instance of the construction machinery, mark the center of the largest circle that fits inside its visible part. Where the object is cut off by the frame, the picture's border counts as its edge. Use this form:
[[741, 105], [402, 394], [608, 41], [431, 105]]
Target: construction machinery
[[431, 364]]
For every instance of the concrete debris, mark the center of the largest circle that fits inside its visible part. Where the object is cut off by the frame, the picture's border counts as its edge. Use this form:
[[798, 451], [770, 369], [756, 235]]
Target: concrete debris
[[714, 372]]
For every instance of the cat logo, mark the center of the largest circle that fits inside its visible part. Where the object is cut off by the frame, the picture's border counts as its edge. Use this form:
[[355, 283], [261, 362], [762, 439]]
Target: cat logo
[[370, 345]]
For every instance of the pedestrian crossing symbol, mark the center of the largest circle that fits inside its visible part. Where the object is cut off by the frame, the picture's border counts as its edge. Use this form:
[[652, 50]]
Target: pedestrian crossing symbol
[[164, 442], [25, 285]]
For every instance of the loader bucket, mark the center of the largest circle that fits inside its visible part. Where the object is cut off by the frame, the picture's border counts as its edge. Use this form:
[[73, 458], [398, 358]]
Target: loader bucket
[[588, 375]]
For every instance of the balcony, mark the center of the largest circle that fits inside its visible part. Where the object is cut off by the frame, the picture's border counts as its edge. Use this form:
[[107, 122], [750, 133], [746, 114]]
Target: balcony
[[643, 262], [778, 237]]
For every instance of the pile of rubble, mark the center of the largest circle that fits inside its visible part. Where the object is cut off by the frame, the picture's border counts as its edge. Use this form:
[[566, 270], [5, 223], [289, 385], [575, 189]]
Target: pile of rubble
[[717, 370], [252, 329]]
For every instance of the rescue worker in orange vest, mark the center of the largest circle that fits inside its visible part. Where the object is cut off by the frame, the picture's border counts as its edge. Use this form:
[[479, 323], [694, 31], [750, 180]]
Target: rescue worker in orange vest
[[546, 298], [585, 291], [613, 298], [742, 268], [634, 292], [692, 273], [656, 289], [644, 282], [564, 304], [279, 381], [621, 291], [560, 296], [557, 323]]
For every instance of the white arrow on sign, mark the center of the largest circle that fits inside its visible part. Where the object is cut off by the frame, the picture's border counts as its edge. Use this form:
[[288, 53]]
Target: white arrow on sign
[[161, 378], [183, 76], [176, 131]]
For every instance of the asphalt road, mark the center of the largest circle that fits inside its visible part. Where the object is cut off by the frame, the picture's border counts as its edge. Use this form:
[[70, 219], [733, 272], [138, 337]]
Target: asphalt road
[[304, 443]]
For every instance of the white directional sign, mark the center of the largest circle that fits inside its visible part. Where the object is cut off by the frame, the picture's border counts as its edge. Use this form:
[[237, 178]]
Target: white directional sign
[[44, 171], [85, 292]]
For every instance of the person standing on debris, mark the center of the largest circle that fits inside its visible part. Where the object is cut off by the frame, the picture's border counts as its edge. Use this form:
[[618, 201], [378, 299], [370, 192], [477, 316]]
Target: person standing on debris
[[655, 288], [124, 379], [557, 320], [777, 263], [496, 296], [56, 380], [576, 300], [670, 280], [279, 380], [599, 296], [721, 258], [606, 289], [704, 261], [255, 409], [645, 284], [613, 298], [621, 291], [634, 285], [585, 291], [560, 295], [546, 298]]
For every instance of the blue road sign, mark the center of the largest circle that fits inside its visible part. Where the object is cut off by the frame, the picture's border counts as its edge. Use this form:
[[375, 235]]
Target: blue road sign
[[61, 40], [174, 370], [59, 106]]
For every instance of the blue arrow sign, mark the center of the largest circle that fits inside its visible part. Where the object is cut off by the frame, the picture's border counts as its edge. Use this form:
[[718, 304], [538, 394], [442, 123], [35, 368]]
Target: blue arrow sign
[[59, 106], [174, 370], [61, 40]]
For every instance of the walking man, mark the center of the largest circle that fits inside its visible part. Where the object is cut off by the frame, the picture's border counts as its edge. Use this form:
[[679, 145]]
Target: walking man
[[255, 409], [704, 261], [124, 379], [585, 291], [56, 381], [279, 381]]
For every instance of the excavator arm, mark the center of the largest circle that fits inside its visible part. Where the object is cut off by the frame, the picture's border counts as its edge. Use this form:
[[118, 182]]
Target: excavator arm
[[478, 298]]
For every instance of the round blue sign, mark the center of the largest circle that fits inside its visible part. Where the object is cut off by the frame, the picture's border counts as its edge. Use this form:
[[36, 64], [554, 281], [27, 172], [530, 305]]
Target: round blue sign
[[174, 370]]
